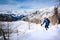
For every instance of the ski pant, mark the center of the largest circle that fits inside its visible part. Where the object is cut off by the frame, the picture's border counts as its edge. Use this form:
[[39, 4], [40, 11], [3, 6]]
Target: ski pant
[[46, 26]]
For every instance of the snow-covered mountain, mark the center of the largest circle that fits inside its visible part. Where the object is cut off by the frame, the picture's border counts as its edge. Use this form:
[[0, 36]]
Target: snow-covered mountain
[[38, 15], [27, 11], [17, 12], [32, 15]]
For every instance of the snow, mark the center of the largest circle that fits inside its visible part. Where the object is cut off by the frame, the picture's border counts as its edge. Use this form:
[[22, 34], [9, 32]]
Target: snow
[[41, 34], [21, 31], [36, 31]]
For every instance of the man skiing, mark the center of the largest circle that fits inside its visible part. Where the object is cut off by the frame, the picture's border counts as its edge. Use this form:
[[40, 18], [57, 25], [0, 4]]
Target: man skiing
[[47, 22]]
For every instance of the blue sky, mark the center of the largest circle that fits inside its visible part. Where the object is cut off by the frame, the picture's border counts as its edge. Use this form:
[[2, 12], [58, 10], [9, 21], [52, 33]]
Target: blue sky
[[26, 4]]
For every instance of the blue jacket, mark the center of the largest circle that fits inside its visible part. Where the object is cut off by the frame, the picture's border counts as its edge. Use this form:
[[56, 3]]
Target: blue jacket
[[47, 22]]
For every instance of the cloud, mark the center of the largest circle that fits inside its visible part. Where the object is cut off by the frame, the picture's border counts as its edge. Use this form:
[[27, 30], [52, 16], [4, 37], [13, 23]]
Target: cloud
[[25, 4], [7, 7]]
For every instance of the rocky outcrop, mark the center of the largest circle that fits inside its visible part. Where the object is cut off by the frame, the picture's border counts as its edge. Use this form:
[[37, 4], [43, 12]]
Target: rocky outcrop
[[56, 17]]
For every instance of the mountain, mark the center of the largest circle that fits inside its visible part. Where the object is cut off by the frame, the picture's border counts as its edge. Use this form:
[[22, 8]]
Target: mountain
[[38, 15], [34, 16], [11, 17]]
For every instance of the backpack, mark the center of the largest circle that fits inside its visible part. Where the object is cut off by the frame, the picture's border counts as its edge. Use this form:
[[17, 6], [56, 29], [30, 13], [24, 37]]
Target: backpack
[[47, 20]]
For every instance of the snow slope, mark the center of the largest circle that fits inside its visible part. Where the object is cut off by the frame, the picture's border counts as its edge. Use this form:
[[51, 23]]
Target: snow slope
[[31, 31]]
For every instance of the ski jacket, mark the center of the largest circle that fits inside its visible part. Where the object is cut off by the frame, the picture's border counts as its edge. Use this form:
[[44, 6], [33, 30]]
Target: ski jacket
[[46, 21]]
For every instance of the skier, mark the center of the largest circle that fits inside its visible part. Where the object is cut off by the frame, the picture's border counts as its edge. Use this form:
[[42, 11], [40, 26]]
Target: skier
[[47, 22]]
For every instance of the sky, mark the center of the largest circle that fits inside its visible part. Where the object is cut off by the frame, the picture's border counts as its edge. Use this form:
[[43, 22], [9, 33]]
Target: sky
[[26, 4]]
